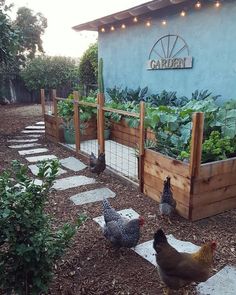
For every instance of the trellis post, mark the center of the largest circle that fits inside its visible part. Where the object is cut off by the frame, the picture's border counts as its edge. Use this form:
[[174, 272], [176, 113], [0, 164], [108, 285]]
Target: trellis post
[[196, 143], [76, 121], [54, 97], [141, 144], [42, 95]]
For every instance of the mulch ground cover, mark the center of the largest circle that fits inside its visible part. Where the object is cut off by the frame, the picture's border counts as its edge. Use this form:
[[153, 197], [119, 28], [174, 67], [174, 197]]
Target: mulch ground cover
[[91, 265]]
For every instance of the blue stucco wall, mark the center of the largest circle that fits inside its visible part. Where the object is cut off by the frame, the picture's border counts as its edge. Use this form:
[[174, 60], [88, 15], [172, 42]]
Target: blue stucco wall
[[211, 36]]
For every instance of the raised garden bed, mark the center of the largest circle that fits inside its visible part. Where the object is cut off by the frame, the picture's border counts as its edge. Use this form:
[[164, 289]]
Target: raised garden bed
[[123, 134], [50, 129], [211, 192]]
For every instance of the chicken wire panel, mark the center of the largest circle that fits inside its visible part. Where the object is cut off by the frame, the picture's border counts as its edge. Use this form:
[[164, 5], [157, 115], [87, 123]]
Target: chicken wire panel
[[119, 157]]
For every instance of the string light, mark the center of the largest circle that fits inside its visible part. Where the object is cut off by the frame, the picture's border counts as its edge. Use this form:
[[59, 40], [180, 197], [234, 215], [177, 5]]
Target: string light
[[198, 4], [217, 4], [182, 13], [112, 28], [135, 20], [123, 26], [164, 22], [148, 23], [103, 30]]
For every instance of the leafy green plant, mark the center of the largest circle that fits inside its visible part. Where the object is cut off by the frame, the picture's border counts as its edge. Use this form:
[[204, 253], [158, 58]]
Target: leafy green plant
[[66, 111], [216, 147], [166, 98], [29, 246]]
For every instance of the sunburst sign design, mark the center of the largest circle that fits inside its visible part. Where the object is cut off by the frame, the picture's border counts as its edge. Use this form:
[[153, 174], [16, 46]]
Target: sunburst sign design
[[170, 52]]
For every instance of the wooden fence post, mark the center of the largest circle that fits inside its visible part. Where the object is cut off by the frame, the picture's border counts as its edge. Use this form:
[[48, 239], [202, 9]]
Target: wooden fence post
[[141, 144], [54, 95], [42, 100], [196, 143], [101, 141], [76, 121]]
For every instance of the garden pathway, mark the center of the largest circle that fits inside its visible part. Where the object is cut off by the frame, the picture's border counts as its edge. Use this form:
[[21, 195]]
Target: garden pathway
[[223, 282]]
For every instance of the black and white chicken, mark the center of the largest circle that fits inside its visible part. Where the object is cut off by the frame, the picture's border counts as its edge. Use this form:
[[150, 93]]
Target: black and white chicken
[[167, 204], [120, 231], [97, 165]]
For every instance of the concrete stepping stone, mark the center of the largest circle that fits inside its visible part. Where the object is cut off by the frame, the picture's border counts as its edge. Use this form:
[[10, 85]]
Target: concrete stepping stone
[[23, 140], [35, 170], [35, 127], [27, 145], [40, 123], [26, 136], [33, 131], [92, 196], [73, 164], [33, 151], [147, 252], [40, 158], [128, 213], [72, 181], [222, 283]]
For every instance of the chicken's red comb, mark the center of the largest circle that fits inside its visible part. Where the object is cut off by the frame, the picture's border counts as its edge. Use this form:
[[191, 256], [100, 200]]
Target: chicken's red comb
[[213, 245]]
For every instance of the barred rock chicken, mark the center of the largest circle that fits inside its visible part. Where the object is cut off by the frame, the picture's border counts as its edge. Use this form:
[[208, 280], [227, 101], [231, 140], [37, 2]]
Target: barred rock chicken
[[167, 204], [97, 165], [120, 231], [178, 269]]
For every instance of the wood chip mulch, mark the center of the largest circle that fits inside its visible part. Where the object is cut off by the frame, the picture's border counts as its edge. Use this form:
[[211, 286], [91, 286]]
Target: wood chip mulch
[[91, 266]]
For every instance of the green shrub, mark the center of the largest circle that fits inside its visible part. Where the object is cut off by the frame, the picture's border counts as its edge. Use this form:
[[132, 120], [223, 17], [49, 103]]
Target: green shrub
[[28, 245]]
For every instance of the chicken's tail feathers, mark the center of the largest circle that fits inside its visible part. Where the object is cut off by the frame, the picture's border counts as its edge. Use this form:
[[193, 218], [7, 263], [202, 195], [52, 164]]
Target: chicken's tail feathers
[[106, 204], [159, 238]]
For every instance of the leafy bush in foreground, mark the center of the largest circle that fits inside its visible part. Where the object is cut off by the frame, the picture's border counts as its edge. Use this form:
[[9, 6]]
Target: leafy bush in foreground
[[28, 246]]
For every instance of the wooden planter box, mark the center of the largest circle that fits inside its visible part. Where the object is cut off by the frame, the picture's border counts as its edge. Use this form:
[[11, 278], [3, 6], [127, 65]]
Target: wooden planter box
[[122, 133], [50, 129], [211, 192]]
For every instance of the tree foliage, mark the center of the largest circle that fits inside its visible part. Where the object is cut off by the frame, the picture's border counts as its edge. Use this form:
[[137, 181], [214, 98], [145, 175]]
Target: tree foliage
[[30, 26], [50, 72], [88, 67]]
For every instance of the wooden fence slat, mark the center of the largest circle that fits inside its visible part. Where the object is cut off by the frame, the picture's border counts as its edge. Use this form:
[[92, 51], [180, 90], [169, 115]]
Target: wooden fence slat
[[42, 92], [196, 143], [76, 121], [54, 95], [121, 112], [167, 163], [141, 145]]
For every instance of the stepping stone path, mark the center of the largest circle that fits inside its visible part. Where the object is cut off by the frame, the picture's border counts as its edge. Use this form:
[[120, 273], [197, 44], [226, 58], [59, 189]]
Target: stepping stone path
[[72, 181], [35, 170], [92, 196], [34, 151], [35, 127], [128, 213], [27, 145], [222, 283], [73, 164], [147, 252], [22, 140], [40, 158], [33, 131]]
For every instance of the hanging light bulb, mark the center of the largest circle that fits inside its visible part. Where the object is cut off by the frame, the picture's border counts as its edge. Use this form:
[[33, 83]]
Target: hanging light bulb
[[123, 26], [135, 20], [148, 23], [198, 4], [217, 4], [103, 30], [164, 22], [112, 28], [182, 13]]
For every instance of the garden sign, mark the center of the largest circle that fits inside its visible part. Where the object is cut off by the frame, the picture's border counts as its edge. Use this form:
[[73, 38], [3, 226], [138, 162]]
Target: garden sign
[[169, 52]]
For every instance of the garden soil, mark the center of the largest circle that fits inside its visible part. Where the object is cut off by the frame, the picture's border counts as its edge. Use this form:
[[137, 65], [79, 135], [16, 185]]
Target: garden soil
[[91, 265]]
